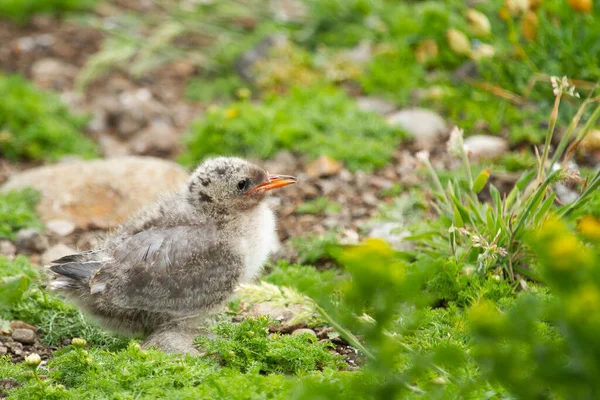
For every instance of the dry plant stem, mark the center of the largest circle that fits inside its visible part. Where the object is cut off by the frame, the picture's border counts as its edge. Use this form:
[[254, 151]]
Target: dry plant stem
[[350, 338], [567, 136], [496, 91], [549, 134], [586, 129], [592, 187]]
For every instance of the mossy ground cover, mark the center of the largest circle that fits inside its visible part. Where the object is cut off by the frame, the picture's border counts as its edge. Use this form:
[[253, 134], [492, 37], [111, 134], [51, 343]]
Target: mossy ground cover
[[35, 125], [22, 11]]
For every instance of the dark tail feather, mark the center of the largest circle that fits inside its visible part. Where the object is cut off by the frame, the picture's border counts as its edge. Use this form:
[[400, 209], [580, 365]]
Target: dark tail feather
[[77, 271], [83, 256]]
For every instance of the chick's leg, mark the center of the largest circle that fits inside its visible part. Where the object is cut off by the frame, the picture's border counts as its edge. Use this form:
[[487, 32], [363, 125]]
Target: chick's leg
[[172, 339]]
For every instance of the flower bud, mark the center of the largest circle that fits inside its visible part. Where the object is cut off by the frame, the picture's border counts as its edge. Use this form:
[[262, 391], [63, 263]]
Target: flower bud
[[583, 6], [483, 51], [33, 360], [79, 342], [479, 23], [426, 50], [458, 41], [516, 7], [529, 26]]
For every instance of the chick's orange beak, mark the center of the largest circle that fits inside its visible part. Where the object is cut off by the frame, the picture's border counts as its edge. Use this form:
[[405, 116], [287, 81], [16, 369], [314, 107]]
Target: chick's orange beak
[[273, 182]]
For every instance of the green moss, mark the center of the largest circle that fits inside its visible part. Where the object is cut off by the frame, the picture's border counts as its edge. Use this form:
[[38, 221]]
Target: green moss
[[247, 347], [23, 10], [313, 121], [17, 211], [312, 248], [133, 373], [221, 88], [35, 125], [55, 319]]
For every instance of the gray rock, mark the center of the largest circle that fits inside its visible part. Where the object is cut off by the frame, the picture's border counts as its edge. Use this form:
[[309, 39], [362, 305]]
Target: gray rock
[[375, 104], [99, 193], [301, 331], [31, 240], [427, 127], [56, 252], [3, 350], [288, 10], [126, 108], [112, 147], [158, 139], [24, 336], [60, 227], [361, 54], [283, 315], [15, 347], [282, 161], [7, 248], [51, 73], [128, 125], [485, 147]]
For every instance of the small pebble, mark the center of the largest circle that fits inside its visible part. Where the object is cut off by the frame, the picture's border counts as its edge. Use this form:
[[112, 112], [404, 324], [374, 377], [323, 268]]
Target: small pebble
[[304, 330], [60, 227], [25, 336], [31, 239], [7, 248], [322, 167]]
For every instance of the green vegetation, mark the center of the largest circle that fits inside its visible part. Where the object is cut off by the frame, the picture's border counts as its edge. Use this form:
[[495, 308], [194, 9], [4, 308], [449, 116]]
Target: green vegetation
[[131, 372], [22, 10], [247, 347], [313, 121], [35, 125], [318, 206], [55, 319], [17, 211], [219, 88]]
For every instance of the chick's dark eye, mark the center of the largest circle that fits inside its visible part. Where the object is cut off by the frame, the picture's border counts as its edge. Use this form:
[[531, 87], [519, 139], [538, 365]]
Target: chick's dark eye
[[244, 185]]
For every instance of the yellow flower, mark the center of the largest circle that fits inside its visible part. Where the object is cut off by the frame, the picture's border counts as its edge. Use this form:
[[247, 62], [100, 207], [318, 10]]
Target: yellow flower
[[484, 316], [231, 113], [584, 303], [589, 227], [244, 93]]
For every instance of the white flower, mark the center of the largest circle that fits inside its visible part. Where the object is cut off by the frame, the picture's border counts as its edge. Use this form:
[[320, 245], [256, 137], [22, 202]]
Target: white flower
[[456, 145], [423, 156], [33, 360], [562, 85]]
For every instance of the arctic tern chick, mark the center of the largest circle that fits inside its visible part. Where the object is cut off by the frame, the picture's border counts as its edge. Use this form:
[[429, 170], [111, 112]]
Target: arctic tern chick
[[179, 259]]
